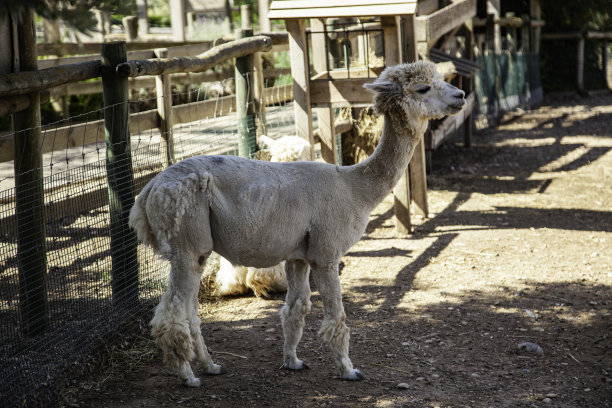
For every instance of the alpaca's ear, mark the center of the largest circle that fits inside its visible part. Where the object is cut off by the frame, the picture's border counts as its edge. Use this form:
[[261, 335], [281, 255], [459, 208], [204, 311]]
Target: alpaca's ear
[[382, 87]]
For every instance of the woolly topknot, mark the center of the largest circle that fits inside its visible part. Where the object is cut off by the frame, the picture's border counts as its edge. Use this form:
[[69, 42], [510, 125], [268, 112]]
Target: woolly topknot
[[389, 88], [407, 74]]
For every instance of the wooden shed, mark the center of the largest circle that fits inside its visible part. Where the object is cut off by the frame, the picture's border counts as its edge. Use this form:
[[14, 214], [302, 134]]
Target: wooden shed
[[348, 43]]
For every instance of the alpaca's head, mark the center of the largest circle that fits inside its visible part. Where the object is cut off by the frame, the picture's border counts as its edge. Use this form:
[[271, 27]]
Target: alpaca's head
[[418, 90]]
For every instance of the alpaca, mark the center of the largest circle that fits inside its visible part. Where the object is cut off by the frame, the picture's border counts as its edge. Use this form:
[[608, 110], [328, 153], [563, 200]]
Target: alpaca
[[237, 279], [258, 214], [286, 148]]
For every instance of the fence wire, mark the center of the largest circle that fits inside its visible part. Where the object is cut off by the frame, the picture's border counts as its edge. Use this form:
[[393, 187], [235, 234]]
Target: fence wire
[[80, 311]]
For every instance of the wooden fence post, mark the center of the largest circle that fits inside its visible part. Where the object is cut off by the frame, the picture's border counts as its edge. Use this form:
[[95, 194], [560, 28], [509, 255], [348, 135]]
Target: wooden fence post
[[264, 21], [120, 177], [163, 86], [412, 186], [325, 116], [246, 16], [245, 107], [130, 25], [580, 66], [29, 194], [177, 20], [143, 21]]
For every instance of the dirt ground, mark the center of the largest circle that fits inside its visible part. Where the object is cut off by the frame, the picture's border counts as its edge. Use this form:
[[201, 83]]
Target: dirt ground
[[517, 248]]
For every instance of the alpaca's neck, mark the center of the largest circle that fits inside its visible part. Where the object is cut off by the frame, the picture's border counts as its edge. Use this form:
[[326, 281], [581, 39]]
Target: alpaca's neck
[[380, 172]]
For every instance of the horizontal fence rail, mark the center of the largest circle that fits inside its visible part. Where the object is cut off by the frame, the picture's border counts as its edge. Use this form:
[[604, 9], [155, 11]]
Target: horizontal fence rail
[[209, 59]]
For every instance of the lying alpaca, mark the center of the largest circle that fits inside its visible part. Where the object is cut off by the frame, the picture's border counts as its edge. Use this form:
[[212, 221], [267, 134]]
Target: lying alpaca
[[286, 148], [237, 279], [258, 213]]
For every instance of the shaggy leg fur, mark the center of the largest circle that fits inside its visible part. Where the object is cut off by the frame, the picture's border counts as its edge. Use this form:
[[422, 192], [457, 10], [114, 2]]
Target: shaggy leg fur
[[293, 313], [200, 348], [333, 329], [175, 325]]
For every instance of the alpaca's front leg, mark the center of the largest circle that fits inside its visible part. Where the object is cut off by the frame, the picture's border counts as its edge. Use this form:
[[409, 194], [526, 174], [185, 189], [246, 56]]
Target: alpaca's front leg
[[333, 329], [293, 313]]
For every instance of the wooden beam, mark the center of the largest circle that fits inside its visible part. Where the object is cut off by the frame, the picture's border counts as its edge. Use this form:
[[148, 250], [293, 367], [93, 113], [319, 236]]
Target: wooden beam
[[200, 63], [14, 104], [342, 92], [143, 45], [302, 9], [325, 115], [405, 191], [433, 26], [35, 81], [298, 49]]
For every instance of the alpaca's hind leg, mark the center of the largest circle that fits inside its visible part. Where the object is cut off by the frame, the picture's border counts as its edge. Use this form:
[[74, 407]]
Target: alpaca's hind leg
[[196, 334], [333, 329], [293, 313], [171, 325]]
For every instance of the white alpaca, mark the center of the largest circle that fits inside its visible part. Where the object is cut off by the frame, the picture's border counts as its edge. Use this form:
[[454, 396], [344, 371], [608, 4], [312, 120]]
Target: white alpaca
[[286, 148], [238, 279], [258, 214]]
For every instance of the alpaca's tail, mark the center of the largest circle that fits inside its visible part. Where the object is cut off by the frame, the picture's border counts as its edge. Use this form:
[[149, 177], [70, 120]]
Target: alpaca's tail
[[139, 220], [158, 211]]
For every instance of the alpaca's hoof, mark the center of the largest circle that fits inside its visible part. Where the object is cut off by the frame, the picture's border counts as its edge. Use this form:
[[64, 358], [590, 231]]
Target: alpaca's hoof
[[215, 369], [354, 375], [299, 365], [193, 382]]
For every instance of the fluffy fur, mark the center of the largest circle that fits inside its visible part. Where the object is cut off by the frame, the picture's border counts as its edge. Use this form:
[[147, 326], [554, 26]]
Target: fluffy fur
[[259, 214], [238, 279], [286, 148]]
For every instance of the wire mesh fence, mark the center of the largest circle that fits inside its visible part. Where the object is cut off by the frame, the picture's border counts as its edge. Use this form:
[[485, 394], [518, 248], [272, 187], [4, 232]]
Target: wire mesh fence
[[83, 304]]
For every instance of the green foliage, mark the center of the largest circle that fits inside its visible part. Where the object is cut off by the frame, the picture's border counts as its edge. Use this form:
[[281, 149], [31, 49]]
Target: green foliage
[[577, 15], [159, 13], [77, 13], [558, 58], [159, 20]]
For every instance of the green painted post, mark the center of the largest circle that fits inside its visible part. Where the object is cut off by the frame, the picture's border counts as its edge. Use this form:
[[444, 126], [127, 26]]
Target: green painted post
[[245, 106], [120, 176], [29, 195]]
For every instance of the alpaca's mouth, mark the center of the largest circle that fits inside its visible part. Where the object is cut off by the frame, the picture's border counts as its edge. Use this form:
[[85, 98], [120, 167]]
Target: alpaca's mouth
[[455, 108]]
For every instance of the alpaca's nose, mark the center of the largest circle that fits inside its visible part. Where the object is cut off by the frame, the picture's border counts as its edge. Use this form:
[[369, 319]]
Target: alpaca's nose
[[459, 94]]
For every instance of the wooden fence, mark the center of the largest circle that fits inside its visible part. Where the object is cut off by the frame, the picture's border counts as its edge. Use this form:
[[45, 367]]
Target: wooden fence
[[114, 68]]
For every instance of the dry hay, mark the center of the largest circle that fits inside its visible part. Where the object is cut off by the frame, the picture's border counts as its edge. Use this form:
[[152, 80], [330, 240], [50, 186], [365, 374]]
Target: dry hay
[[361, 142]]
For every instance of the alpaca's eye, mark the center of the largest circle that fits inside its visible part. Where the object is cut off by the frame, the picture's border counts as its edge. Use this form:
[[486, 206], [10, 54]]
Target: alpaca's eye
[[424, 90]]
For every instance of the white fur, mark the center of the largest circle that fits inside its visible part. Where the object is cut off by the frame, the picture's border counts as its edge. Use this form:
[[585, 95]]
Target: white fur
[[286, 148], [258, 214], [237, 279]]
